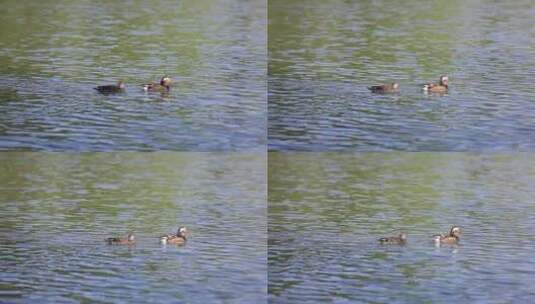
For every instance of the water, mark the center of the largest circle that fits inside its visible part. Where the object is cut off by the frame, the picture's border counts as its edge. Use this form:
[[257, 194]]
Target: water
[[324, 55], [57, 209], [52, 55], [327, 210]]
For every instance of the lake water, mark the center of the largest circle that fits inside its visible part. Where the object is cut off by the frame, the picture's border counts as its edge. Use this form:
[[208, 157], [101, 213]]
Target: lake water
[[324, 54], [57, 209], [327, 210], [52, 55]]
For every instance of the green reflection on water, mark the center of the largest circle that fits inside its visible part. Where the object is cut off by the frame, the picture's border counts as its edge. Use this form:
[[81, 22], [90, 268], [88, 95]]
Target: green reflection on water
[[409, 188], [134, 189], [50, 38], [327, 211], [361, 36], [57, 209]]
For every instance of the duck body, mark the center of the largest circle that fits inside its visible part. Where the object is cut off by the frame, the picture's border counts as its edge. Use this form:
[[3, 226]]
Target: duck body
[[435, 88], [450, 238], [154, 87], [401, 239], [385, 88], [127, 240], [440, 87], [176, 239], [108, 89], [162, 86]]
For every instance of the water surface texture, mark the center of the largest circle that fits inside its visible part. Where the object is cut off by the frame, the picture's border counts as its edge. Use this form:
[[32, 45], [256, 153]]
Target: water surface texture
[[324, 54], [327, 211], [57, 209], [52, 54]]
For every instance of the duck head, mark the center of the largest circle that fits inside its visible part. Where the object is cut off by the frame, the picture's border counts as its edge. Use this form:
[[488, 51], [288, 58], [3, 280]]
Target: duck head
[[455, 231], [182, 231], [395, 85], [130, 237], [403, 237], [166, 81], [444, 80]]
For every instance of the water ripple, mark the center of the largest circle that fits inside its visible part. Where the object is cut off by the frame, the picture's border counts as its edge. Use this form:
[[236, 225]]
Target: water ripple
[[327, 210], [59, 208], [51, 62], [322, 61]]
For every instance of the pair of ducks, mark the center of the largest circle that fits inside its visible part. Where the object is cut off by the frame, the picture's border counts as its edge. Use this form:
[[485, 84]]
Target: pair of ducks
[[163, 86], [176, 239], [451, 238], [440, 87]]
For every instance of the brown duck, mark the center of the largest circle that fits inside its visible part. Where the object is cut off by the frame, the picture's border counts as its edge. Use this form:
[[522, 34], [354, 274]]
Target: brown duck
[[111, 88], [440, 87], [450, 238], [385, 88], [164, 85], [401, 239], [177, 239], [127, 240]]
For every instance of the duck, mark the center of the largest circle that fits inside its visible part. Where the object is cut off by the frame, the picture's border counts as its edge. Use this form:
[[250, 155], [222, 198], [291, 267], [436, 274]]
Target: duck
[[112, 88], [177, 239], [164, 85], [385, 88], [129, 239], [440, 87], [450, 238], [401, 239]]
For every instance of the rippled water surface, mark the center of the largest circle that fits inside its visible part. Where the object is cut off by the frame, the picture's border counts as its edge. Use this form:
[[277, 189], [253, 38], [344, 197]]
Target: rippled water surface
[[53, 53], [324, 54], [326, 212], [57, 209]]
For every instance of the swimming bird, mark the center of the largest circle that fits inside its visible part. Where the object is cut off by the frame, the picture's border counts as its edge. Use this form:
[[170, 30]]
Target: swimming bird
[[128, 240], [401, 239], [440, 87], [111, 88], [177, 239], [164, 85], [450, 238], [385, 88]]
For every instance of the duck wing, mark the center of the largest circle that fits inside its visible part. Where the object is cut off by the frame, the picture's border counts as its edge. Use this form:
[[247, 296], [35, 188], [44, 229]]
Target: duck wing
[[106, 88], [168, 236], [113, 240], [377, 87]]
